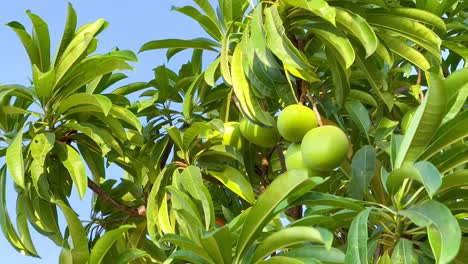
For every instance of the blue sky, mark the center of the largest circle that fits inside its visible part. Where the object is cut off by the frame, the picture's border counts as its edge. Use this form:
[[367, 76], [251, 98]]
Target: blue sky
[[132, 23]]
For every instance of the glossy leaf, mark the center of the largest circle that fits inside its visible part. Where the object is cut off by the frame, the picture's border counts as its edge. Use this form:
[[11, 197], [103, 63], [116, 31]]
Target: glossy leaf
[[422, 126], [80, 252], [105, 243], [442, 227], [14, 159], [72, 161], [358, 113], [403, 252], [236, 182], [291, 236], [363, 169], [359, 28], [41, 145], [281, 189], [357, 239], [199, 43], [248, 102]]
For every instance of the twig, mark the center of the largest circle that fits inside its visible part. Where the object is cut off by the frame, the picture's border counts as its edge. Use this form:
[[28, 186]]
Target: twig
[[137, 212], [314, 107], [281, 158], [418, 82]]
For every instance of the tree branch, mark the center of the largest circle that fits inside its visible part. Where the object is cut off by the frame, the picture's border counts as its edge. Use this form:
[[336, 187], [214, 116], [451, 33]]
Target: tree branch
[[137, 212]]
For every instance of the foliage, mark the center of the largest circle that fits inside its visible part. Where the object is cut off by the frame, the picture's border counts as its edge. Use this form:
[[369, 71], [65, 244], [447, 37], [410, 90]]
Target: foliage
[[185, 197]]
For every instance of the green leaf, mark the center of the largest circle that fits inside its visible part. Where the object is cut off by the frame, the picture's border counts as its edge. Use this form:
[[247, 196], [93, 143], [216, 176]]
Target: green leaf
[[248, 102], [455, 82], [101, 101], [443, 229], [401, 48], [317, 7], [190, 257], [41, 145], [188, 98], [359, 28], [192, 181], [285, 260], [320, 253], [456, 103], [421, 16], [72, 161], [198, 43], [5, 222], [210, 26], [236, 182], [42, 40], [282, 47], [357, 239], [422, 126], [320, 198], [43, 83], [94, 133], [27, 41], [105, 243], [77, 47], [88, 70], [454, 180], [129, 255], [403, 252], [363, 169], [335, 40], [186, 244], [423, 172], [285, 187], [376, 80], [449, 133], [363, 97], [358, 113], [23, 228], [80, 252], [430, 177], [291, 236], [68, 32], [14, 159], [339, 77], [410, 29], [125, 115]]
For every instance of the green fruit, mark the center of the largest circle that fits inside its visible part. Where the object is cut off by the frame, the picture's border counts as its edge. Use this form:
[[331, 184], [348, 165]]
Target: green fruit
[[293, 157], [324, 148], [406, 120], [295, 121], [293, 160], [232, 135], [258, 135]]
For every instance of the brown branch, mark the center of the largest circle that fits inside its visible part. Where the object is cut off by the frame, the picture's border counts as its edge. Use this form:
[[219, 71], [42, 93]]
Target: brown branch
[[418, 82], [137, 212], [281, 158]]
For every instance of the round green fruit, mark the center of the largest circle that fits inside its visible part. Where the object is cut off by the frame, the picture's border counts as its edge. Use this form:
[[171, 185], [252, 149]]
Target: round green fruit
[[293, 160], [324, 148], [258, 135], [295, 121], [293, 157], [232, 135], [406, 120]]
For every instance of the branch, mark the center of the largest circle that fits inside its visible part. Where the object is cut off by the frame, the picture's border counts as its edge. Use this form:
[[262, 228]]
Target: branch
[[281, 158], [137, 212]]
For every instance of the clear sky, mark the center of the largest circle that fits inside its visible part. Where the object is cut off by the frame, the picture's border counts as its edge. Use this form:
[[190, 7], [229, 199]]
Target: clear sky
[[132, 23]]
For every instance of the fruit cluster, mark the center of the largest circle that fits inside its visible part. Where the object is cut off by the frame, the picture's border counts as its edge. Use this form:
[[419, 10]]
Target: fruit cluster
[[318, 149]]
